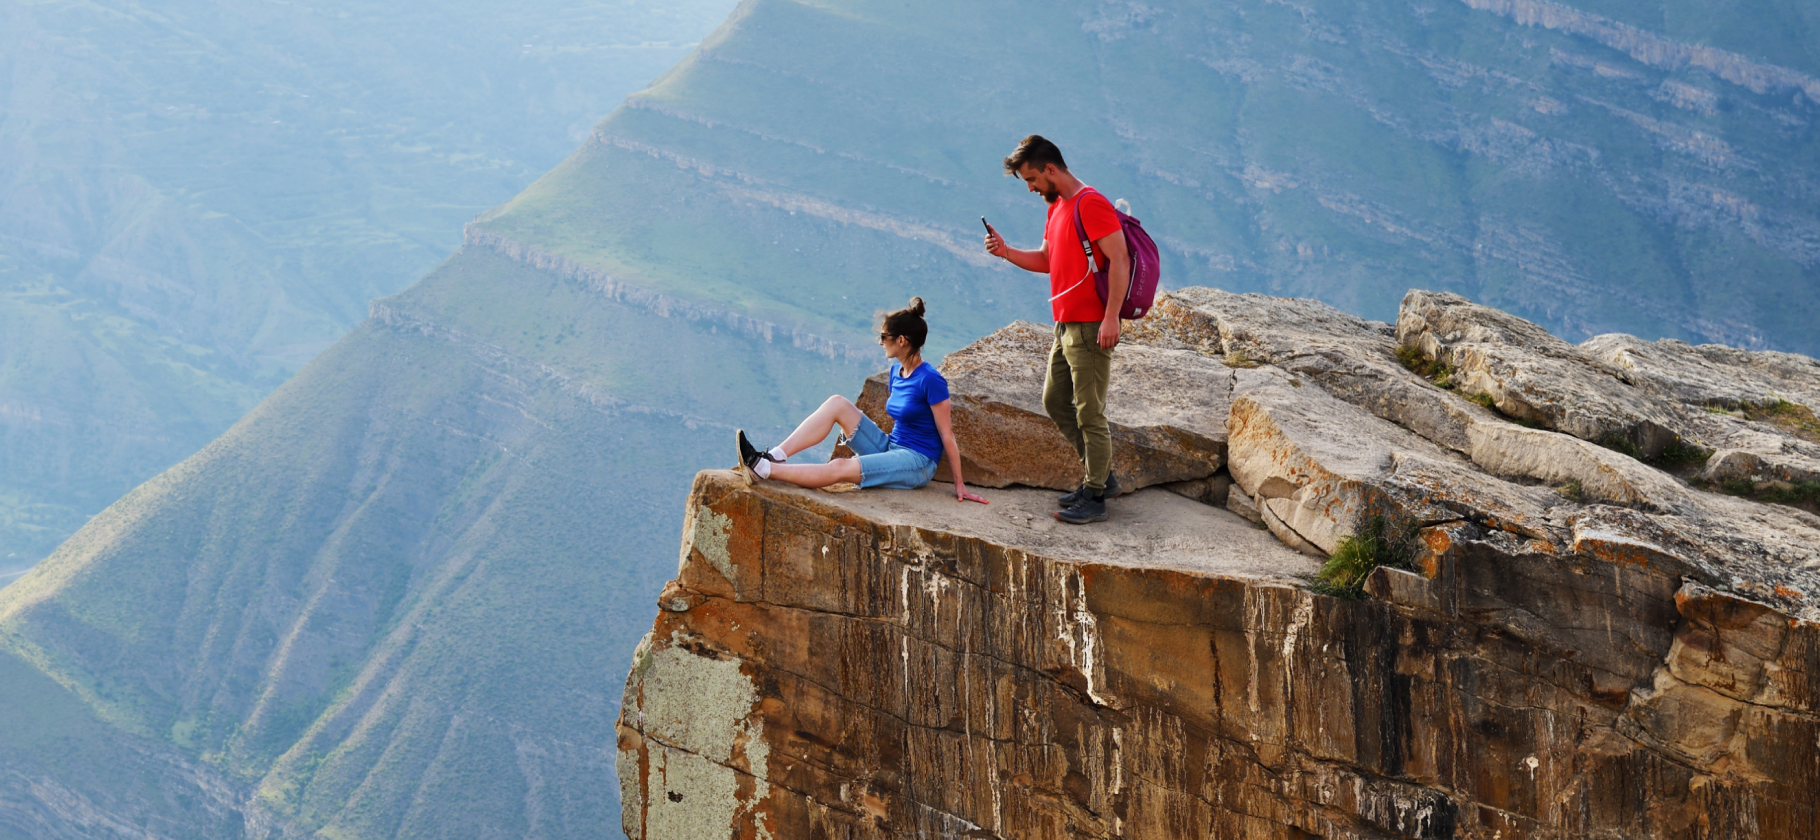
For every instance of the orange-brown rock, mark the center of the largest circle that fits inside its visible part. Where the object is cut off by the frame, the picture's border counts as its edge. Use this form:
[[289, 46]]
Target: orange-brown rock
[[1167, 408]]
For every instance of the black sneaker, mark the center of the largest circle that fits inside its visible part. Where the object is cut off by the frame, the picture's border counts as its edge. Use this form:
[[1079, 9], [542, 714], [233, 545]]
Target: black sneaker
[[750, 455], [1113, 491], [1084, 511]]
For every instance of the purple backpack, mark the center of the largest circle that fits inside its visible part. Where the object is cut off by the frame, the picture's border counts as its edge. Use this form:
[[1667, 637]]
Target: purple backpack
[[1140, 295]]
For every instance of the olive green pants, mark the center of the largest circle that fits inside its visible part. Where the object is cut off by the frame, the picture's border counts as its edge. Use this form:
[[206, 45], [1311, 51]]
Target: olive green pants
[[1074, 394]]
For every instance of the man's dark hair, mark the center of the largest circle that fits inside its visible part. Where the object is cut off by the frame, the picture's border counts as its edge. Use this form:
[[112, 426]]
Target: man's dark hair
[[1036, 151]]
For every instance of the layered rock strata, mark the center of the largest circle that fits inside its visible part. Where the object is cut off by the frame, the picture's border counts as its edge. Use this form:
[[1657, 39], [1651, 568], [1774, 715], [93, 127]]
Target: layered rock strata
[[1571, 642]]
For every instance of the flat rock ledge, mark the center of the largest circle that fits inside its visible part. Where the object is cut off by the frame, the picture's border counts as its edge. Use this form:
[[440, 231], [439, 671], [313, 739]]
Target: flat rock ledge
[[1583, 641]]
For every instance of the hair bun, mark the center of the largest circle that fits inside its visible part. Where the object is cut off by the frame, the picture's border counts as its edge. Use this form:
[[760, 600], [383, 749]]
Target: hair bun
[[907, 323]]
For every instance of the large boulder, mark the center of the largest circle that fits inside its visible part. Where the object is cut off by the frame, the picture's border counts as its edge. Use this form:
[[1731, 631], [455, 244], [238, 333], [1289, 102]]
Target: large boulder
[[1318, 468], [1533, 376], [1167, 408]]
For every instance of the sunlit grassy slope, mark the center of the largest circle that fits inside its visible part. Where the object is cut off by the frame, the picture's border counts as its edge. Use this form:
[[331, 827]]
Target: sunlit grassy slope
[[396, 600]]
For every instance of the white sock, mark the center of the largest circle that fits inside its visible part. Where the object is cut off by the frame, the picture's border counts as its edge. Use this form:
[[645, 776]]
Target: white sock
[[778, 453], [763, 469]]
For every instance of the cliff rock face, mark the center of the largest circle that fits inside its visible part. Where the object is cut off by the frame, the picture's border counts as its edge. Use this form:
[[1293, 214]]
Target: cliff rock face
[[1579, 632]]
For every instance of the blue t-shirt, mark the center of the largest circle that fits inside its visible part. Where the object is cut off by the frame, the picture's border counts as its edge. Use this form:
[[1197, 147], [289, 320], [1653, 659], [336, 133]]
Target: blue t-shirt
[[912, 423]]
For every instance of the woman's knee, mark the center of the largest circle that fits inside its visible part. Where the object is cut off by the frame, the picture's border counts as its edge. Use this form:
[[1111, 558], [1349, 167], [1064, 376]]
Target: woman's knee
[[843, 411]]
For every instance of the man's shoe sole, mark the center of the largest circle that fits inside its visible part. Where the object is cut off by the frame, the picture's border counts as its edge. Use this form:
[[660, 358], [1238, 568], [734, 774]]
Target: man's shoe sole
[[1061, 516]]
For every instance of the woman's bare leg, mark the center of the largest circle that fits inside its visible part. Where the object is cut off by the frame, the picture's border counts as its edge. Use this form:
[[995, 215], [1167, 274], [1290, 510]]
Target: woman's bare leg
[[817, 475], [815, 429]]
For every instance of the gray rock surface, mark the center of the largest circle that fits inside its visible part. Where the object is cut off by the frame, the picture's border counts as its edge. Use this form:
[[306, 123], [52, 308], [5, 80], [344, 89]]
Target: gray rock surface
[[1709, 374]]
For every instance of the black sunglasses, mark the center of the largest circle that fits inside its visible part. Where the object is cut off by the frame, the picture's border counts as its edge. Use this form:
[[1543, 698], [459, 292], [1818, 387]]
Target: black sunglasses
[[885, 336]]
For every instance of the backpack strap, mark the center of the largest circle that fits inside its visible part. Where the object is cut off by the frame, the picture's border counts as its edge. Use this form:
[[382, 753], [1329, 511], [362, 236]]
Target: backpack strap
[[1080, 229]]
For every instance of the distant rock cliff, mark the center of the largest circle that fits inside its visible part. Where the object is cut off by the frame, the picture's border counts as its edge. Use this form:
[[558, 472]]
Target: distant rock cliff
[[1604, 627]]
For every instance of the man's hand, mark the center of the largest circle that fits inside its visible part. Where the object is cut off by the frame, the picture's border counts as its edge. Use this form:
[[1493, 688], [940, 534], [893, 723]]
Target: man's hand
[[995, 244], [1109, 333]]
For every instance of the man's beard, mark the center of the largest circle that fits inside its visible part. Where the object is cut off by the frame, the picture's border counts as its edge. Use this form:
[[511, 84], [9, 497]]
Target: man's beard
[[1051, 195]]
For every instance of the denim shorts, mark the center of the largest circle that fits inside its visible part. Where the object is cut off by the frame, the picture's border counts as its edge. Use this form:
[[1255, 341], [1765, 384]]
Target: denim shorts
[[883, 463]]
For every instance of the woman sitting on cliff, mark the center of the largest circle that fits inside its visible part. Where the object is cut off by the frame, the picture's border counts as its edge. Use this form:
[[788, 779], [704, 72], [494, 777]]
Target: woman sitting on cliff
[[904, 459]]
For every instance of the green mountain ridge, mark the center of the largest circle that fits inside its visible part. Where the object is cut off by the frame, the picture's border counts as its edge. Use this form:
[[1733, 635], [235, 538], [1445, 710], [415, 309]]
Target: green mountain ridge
[[398, 598]]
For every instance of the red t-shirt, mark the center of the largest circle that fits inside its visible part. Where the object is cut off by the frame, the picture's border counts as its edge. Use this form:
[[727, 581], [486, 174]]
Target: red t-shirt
[[1073, 295]]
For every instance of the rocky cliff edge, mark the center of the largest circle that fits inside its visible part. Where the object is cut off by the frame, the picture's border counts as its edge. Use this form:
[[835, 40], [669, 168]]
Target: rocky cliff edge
[[1595, 614]]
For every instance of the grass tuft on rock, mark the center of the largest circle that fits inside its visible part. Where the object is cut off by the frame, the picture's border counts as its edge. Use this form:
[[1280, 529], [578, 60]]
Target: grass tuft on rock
[[1239, 359], [1432, 370], [1622, 444], [1794, 418], [1352, 561], [1573, 491], [1679, 454]]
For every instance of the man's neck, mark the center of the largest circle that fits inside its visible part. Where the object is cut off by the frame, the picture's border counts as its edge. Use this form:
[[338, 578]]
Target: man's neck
[[1069, 185]]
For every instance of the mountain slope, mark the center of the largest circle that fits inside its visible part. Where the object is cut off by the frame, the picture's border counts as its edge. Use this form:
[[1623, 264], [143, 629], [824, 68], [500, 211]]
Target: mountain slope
[[394, 600], [380, 602], [194, 200], [71, 775]]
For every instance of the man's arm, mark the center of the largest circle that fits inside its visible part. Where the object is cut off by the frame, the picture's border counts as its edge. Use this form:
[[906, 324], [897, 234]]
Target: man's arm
[[1037, 260], [1118, 280]]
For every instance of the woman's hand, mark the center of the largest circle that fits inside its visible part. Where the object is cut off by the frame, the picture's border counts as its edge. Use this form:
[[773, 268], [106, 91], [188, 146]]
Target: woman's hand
[[953, 451]]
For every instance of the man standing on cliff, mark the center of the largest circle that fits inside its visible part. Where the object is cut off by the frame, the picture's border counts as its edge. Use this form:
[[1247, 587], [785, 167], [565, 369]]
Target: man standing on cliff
[[1086, 328]]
